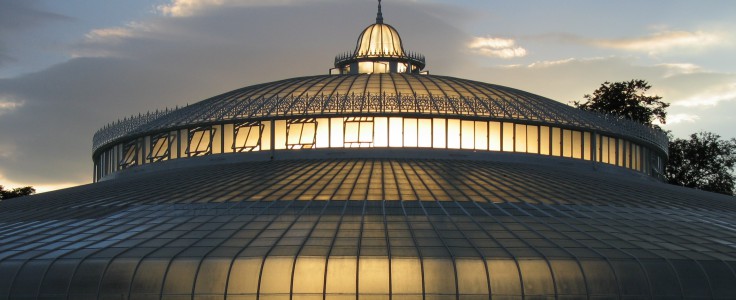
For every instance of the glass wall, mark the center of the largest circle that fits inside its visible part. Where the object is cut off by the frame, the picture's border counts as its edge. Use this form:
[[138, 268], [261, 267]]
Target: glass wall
[[377, 132]]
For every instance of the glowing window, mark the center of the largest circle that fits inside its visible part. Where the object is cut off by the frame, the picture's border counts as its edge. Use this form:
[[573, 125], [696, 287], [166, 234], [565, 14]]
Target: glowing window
[[301, 133], [358, 132], [495, 136], [200, 141], [160, 144], [508, 137], [247, 136]]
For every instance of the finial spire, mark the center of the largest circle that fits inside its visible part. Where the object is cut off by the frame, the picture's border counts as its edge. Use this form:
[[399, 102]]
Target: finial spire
[[379, 16]]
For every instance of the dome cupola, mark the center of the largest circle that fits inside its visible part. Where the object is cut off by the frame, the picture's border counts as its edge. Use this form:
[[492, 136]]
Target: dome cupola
[[378, 50]]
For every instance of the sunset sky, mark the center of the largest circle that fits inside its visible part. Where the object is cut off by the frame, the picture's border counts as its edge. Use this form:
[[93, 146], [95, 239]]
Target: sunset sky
[[69, 67]]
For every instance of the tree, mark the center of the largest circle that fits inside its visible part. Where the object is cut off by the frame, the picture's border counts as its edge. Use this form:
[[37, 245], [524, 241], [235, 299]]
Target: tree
[[626, 99], [704, 161], [16, 192]]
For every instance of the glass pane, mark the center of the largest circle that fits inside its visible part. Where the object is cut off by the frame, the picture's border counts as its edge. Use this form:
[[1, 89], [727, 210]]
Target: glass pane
[[276, 275], [471, 277], [439, 276], [504, 277], [612, 151], [244, 276], [27, 281], [620, 152], [481, 135], [87, 277], [212, 276], [568, 277], [453, 134], [520, 138], [599, 277], [662, 280], [577, 144], [532, 139], [467, 134], [631, 280], [341, 275], [280, 134], [586, 145], [373, 277], [180, 277], [566, 143], [309, 275], [425, 133], [537, 278], [604, 149], [149, 277], [556, 142], [265, 143], [336, 133], [228, 131], [217, 139], [395, 136], [381, 132], [323, 133], [406, 276], [694, 281], [410, 132], [366, 132], [494, 136], [119, 276], [722, 280], [508, 137], [438, 133], [544, 140], [351, 132]]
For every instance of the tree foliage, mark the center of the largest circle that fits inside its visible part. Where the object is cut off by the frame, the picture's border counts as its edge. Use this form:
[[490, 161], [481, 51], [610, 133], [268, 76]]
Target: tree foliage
[[704, 161], [16, 192], [626, 99]]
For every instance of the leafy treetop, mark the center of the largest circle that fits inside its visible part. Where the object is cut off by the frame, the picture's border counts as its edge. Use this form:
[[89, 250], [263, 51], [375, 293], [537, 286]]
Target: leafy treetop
[[626, 99]]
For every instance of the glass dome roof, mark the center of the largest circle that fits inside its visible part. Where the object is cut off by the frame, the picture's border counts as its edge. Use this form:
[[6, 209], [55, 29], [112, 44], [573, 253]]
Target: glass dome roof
[[379, 40], [379, 94]]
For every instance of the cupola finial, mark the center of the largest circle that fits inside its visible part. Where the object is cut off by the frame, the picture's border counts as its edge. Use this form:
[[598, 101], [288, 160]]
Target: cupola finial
[[379, 16]]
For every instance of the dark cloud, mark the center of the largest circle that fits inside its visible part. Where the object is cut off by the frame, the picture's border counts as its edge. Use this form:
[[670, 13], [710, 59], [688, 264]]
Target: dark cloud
[[17, 17], [174, 61]]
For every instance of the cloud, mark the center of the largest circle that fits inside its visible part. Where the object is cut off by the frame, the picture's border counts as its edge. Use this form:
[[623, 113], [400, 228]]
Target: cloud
[[187, 8], [17, 17], [7, 105], [665, 41], [710, 97], [681, 118], [496, 47], [550, 63], [680, 68]]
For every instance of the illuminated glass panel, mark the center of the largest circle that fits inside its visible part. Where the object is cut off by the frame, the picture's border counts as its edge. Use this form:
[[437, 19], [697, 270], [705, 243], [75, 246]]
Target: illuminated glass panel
[[494, 136], [544, 145], [406, 276], [301, 133], [183, 142], [621, 152], [336, 134], [247, 136], [200, 141], [438, 133], [481, 135], [266, 140], [159, 150], [587, 145], [611, 150], [425, 133], [373, 275], [604, 149], [217, 139], [340, 277], [467, 134], [577, 144], [508, 137], [228, 135], [380, 132], [453, 134], [532, 139], [520, 138], [323, 133], [358, 132], [309, 275], [566, 143], [395, 127], [410, 132], [556, 142], [471, 277]]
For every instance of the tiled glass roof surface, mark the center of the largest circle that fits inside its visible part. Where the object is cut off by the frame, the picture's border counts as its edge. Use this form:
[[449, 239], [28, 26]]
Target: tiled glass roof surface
[[346, 227]]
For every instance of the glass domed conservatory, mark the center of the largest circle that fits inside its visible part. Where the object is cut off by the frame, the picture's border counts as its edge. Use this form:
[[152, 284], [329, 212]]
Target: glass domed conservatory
[[377, 181]]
